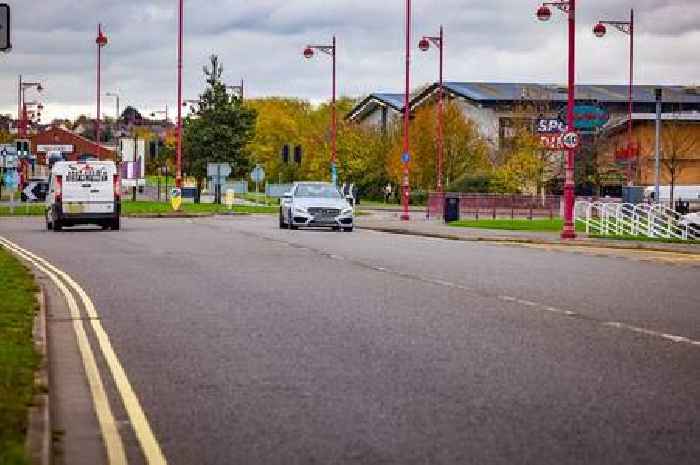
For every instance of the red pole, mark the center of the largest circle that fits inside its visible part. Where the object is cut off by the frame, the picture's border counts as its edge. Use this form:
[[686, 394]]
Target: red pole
[[178, 171], [405, 189], [334, 123], [631, 104], [99, 57], [569, 231], [441, 123], [20, 119]]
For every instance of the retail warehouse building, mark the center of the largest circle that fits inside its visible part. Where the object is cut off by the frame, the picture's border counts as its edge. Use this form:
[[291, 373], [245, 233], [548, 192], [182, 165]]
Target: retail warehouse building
[[497, 108]]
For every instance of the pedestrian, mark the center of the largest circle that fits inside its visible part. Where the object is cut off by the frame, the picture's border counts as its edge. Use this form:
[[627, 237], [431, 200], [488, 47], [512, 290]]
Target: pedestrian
[[387, 193], [354, 191], [346, 189]]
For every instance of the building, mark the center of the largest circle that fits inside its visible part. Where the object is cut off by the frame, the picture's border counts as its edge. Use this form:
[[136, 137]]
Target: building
[[497, 108], [70, 144]]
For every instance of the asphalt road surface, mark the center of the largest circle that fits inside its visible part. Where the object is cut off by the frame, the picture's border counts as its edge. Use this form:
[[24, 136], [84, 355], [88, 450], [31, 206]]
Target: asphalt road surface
[[251, 345]]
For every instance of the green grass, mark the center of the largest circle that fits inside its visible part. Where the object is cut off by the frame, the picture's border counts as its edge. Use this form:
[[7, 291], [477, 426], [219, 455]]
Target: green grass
[[155, 208], [259, 198], [34, 209], [18, 359], [536, 225]]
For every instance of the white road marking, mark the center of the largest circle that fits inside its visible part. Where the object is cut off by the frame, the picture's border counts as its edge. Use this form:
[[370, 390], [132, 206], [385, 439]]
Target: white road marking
[[144, 433]]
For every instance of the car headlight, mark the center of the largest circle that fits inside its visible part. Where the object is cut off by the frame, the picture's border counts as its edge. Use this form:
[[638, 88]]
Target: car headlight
[[300, 210], [347, 211]]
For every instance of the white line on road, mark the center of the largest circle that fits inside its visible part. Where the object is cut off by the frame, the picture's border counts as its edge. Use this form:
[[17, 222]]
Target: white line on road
[[149, 445]]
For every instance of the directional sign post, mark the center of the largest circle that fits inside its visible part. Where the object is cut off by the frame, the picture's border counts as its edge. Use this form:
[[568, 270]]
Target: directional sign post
[[217, 171], [257, 176]]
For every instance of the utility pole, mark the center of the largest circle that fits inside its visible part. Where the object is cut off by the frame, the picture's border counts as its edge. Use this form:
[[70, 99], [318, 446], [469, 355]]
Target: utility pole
[[657, 146]]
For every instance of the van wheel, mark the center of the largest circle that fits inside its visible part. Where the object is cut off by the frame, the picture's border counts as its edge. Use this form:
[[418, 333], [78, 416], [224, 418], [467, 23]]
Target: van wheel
[[115, 224], [348, 229], [57, 226], [49, 225]]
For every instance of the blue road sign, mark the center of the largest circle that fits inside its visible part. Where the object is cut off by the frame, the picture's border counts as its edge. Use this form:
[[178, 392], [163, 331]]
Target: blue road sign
[[11, 179], [406, 157]]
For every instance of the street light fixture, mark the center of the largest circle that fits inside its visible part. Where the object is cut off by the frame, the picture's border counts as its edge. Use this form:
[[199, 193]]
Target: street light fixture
[[101, 41], [309, 52], [626, 27], [116, 96], [544, 13], [22, 118], [424, 45]]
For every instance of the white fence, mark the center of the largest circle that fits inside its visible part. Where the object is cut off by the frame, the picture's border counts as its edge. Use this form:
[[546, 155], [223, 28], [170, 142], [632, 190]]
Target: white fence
[[626, 219]]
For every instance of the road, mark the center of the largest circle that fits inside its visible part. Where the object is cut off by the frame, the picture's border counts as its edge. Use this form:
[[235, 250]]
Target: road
[[250, 345]]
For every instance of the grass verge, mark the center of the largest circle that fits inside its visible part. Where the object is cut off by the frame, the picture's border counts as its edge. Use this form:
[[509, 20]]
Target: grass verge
[[150, 208], [157, 208], [536, 225], [18, 359]]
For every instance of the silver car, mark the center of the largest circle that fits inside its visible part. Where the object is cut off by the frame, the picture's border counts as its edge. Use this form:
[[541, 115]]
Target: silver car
[[315, 204]]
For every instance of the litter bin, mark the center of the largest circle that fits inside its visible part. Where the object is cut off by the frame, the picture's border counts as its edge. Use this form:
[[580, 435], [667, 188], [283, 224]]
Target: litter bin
[[451, 209]]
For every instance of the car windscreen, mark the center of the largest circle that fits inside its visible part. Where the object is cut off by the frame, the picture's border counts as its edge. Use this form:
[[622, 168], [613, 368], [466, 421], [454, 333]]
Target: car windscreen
[[317, 191]]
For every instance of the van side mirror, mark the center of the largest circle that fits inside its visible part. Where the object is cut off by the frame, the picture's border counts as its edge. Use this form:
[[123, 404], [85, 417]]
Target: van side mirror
[[287, 196]]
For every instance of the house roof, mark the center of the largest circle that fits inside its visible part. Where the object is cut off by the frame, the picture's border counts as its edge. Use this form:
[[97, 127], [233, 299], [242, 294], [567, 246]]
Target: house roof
[[370, 103], [603, 93]]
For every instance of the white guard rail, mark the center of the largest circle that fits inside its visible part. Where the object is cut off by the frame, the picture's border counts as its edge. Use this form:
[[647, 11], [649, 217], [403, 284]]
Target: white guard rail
[[626, 219]]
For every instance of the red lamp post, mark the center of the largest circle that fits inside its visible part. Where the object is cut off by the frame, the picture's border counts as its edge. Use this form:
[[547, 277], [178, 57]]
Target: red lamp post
[[178, 156], [626, 27], [329, 50], [101, 41], [424, 45], [406, 156], [544, 13]]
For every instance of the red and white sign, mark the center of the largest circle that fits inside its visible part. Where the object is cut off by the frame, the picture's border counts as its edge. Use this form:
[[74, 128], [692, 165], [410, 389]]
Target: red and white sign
[[552, 141], [571, 140]]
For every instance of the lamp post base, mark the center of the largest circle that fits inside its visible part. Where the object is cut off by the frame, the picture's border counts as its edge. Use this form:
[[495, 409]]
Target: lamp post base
[[569, 232], [405, 217]]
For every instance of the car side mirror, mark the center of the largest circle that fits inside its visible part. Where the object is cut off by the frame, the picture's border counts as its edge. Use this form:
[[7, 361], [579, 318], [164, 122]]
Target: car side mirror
[[287, 196]]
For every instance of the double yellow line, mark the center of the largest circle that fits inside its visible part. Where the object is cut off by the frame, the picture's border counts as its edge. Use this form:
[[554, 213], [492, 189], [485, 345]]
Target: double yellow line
[[110, 432]]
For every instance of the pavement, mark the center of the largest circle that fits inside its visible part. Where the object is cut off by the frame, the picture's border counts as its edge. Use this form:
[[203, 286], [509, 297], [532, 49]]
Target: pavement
[[249, 344], [390, 222]]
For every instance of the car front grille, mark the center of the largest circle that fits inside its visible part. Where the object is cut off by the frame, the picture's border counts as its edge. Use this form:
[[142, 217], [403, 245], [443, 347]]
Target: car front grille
[[325, 212]]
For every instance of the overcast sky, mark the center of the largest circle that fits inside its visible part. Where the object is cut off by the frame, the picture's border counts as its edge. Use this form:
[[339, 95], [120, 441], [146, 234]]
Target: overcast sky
[[262, 40]]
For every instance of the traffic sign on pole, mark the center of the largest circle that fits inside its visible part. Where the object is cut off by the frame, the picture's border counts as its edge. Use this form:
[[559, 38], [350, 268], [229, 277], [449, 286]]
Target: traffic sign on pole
[[571, 140]]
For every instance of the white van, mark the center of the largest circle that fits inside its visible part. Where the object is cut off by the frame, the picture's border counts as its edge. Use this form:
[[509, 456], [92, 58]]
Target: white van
[[83, 193]]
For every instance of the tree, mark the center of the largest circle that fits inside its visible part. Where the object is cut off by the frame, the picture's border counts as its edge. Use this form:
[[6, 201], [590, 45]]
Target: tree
[[680, 144], [220, 129]]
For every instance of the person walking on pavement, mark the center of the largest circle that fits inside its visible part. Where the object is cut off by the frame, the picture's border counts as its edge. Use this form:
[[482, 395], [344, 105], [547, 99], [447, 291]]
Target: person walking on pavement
[[387, 193], [354, 191]]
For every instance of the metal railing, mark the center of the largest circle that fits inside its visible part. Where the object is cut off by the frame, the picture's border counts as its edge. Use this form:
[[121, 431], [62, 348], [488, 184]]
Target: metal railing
[[496, 205], [626, 219]]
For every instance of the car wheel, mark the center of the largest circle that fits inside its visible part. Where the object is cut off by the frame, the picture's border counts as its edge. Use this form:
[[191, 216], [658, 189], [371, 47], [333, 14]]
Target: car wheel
[[348, 229], [49, 225], [282, 223], [336, 228]]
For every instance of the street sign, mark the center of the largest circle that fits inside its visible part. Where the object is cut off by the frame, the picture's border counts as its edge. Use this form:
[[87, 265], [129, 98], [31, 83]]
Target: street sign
[[11, 179], [550, 126], [218, 169], [587, 117], [552, 141], [571, 140], [176, 198], [5, 39], [405, 158], [258, 174]]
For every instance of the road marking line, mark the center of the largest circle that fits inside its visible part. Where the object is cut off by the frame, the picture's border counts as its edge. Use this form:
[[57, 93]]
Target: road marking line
[[144, 433], [108, 427]]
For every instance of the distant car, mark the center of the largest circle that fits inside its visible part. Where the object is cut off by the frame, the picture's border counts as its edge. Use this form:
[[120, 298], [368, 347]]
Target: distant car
[[83, 193], [315, 204]]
